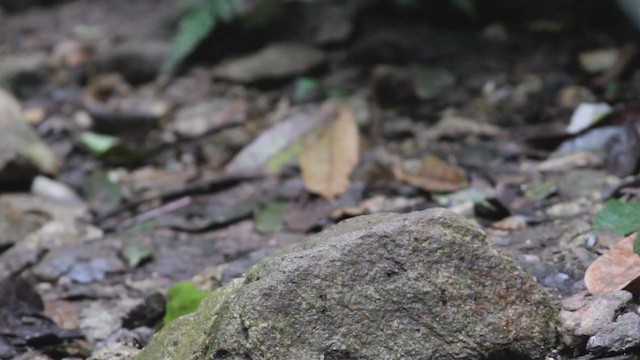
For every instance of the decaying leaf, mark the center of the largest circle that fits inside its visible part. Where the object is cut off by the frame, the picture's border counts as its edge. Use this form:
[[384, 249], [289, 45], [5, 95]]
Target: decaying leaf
[[433, 175], [617, 269], [256, 157], [327, 164]]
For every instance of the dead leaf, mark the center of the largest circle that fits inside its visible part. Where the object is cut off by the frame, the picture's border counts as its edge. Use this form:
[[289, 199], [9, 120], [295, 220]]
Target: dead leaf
[[616, 269], [255, 157], [327, 164], [571, 161], [434, 175], [510, 223]]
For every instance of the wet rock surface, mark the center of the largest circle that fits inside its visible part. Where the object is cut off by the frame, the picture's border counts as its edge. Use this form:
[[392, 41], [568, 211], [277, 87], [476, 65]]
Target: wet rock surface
[[423, 285]]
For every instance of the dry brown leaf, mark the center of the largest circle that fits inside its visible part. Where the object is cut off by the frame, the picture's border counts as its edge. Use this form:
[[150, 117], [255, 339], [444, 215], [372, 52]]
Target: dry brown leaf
[[327, 164], [616, 269], [434, 175], [255, 157]]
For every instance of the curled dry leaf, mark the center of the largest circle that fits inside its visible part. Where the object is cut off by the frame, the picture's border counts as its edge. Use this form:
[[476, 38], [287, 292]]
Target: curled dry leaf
[[326, 165], [617, 269], [434, 175]]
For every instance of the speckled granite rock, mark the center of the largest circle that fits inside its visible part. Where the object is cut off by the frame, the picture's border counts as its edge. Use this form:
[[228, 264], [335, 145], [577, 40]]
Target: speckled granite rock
[[424, 285]]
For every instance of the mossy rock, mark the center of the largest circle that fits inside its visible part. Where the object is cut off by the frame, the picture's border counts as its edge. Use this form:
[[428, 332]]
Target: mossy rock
[[424, 285]]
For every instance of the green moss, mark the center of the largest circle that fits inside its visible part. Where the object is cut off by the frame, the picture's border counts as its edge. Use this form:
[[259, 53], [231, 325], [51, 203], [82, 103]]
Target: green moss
[[184, 298]]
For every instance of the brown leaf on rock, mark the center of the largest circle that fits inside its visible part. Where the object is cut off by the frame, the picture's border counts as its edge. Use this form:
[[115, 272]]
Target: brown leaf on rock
[[327, 164], [617, 269], [433, 175]]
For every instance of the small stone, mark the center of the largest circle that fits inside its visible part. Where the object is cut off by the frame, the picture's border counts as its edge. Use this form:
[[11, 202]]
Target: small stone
[[83, 264], [621, 336], [583, 314]]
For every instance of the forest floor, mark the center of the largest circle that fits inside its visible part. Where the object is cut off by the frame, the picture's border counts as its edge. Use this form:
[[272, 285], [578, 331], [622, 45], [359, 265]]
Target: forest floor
[[200, 175]]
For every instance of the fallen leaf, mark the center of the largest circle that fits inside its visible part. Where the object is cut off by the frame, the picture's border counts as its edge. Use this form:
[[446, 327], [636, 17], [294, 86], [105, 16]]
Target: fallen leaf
[[434, 175], [586, 115], [616, 269], [510, 223], [256, 157], [595, 61], [570, 161], [618, 217], [276, 61], [99, 143], [327, 164]]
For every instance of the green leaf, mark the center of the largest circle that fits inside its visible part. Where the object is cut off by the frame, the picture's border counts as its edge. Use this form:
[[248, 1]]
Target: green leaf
[[619, 217], [304, 87], [99, 143], [193, 28], [271, 218], [287, 156], [220, 9], [184, 298]]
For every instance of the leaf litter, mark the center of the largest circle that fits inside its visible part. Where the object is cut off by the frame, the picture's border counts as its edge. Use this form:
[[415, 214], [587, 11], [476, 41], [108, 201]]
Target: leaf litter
[[229, 171]]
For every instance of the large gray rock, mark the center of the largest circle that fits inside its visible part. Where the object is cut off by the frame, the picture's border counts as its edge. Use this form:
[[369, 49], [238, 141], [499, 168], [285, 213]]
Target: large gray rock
[[425, 285]]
